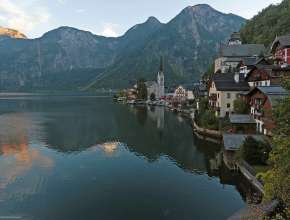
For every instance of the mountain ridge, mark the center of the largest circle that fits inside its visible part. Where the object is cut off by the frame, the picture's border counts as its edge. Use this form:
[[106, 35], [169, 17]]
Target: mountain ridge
[[44, 62]]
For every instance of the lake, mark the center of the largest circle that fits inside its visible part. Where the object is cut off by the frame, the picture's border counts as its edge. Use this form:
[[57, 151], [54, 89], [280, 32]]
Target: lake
[[86, 157]]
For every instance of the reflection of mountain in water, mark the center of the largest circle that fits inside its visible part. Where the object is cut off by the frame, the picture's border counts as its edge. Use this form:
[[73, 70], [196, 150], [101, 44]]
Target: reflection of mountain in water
[[75, 124]]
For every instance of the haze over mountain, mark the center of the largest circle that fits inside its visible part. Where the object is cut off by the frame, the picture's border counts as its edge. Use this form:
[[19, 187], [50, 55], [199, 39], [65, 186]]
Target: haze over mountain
[[68, 58]]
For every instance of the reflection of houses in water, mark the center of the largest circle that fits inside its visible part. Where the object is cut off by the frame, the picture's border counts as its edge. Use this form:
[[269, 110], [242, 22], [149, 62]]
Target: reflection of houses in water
[[219, 168], [157, 114], [109, 148]]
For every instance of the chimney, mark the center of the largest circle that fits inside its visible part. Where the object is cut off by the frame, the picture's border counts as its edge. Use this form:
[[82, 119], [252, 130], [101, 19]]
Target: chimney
[[237, 77]]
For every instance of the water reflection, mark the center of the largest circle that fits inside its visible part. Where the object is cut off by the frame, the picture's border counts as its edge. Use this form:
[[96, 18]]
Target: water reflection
[[109, 148], [84, 154], [18, 131]]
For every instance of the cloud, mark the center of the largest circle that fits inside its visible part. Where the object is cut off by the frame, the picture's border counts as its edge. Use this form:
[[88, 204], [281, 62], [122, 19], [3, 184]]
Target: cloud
[[22, 17], [62, 2], [109, 30], [80, 10]]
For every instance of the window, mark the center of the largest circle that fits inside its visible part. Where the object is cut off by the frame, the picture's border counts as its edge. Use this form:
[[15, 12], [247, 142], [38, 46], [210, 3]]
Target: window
[[228, 105], [228, 95]]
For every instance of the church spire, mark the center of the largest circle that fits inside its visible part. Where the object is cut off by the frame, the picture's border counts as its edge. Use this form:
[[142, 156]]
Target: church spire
[[161, 65]]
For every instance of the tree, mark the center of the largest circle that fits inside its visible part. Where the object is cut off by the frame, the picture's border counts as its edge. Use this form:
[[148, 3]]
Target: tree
[[270, 22], [208, 74], [209, 120], [277, 184], [142, 93], [203, 105], [241, 106], [255, 152]]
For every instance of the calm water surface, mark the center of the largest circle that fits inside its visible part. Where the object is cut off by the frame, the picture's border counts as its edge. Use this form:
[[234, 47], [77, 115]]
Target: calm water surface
[[89, 158]]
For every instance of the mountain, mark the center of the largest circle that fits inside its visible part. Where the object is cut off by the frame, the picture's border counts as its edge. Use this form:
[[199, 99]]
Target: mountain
[[188, 44], [269, 23], [68, 58], [6, 33]]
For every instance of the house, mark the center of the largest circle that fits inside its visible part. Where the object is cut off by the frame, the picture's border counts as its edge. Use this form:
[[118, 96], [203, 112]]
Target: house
[[281, 50], [242, 123], [259, 76], [131, 94], [249, 63], [262, 100], [180, 93], [224, 90], [234, 52], [232, 143], [266, 75]]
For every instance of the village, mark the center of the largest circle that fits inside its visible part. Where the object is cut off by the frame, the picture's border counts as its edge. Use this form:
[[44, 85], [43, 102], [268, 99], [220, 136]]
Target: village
[[232, 104]]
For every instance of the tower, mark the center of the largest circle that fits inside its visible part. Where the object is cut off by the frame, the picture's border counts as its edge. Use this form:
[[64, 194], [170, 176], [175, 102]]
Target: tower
[[160, 80], [235, 39]]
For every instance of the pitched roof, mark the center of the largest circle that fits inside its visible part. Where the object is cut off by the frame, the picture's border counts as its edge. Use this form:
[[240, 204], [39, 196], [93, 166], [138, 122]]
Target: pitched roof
[[233, 142], [261, 68], [241, 119], [274, 93], [281, 42], [273, 90], [226, 82], [250, 61], [243, 50]]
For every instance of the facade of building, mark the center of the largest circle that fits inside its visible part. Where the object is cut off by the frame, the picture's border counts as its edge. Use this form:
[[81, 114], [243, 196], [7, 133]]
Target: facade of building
[[180, 92], [259, 77], [234, 52], [262, 100], [281, 50], [224, 90], [157, 88]]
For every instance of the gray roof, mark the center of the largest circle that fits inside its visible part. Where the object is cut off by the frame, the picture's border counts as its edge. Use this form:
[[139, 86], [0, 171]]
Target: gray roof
[[233, 142], [243, 50], [281, 42], [233, 59], [250, 61], [241, 119], [275, 98], [273, 90], [235, 36], [226, 82]]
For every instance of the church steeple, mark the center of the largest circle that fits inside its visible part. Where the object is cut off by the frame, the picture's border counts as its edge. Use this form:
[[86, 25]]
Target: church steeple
[[161, 65], [160, 80]]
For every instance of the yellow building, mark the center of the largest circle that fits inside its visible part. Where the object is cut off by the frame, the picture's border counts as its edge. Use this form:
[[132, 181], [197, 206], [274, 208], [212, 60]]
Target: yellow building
[[224, 90]]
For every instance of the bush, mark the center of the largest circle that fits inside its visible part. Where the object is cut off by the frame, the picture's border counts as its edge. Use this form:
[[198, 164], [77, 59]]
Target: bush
[[255, 152], [241, 107], [209, 120]]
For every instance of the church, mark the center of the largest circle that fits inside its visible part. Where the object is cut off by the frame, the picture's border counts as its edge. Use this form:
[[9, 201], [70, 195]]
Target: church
[[157, 87]]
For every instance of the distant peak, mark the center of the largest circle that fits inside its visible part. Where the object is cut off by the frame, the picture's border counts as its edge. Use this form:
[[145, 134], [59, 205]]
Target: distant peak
[[152, 19], [199, 8], [11, 33], [202, 6]]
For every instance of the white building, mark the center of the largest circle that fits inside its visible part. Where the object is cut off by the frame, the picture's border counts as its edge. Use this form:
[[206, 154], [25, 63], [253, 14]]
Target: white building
[[157, 88]]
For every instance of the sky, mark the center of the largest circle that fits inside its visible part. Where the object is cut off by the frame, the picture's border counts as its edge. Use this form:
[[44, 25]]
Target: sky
[[107, 17]]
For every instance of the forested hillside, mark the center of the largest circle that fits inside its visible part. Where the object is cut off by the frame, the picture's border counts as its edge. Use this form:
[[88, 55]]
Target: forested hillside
[[269, 23]]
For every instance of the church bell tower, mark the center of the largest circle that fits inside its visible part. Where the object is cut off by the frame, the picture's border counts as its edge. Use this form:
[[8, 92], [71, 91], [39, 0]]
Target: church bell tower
[[160, 80]]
